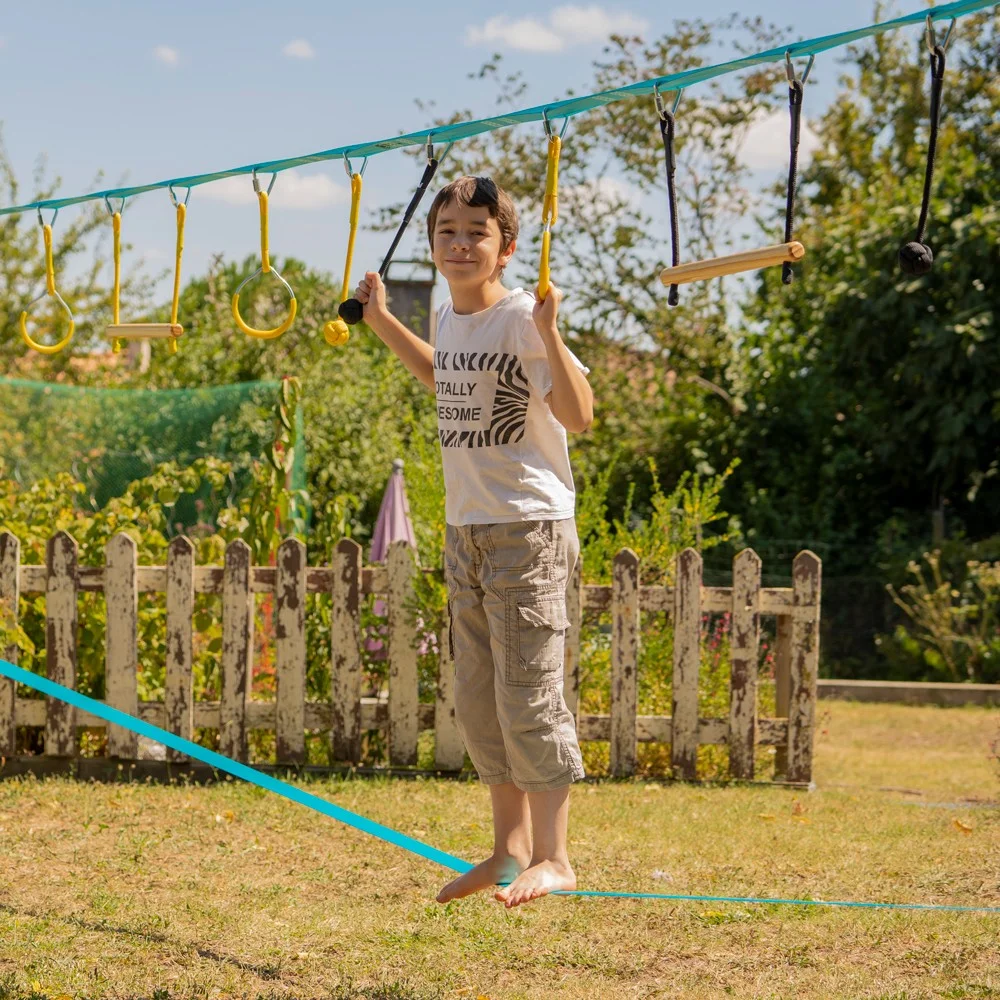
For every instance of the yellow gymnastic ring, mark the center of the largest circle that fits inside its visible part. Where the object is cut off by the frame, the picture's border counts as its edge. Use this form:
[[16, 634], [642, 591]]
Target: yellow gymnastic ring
[[263, 334], [43, 348]]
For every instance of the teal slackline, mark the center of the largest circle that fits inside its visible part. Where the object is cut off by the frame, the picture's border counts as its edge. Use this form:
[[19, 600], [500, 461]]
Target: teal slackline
[[557, 109], [217, 760], [234, 767]]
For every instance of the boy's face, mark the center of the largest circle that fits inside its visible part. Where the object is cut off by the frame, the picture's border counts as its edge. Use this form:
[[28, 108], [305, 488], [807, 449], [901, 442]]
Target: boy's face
[[466, 248]]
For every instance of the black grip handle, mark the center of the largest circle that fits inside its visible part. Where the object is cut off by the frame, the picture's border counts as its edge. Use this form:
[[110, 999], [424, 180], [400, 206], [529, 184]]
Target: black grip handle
[[351, 311]]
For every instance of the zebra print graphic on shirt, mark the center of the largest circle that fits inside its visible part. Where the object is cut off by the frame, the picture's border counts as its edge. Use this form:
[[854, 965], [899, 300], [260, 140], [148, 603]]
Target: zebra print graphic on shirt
[[510, 405]]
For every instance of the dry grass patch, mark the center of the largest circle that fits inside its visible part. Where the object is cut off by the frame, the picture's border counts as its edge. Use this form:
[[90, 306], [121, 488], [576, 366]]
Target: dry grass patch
[[149, 891]]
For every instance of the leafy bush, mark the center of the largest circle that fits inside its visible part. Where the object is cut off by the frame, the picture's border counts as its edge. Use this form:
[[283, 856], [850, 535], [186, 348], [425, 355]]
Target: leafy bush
[[955, 631]]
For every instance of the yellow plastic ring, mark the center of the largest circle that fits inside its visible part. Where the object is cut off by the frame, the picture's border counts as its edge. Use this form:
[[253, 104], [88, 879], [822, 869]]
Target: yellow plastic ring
[[48, 349], [264, 334]]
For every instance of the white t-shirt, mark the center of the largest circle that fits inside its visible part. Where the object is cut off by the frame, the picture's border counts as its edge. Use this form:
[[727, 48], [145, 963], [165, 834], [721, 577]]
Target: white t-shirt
[[505, 455]]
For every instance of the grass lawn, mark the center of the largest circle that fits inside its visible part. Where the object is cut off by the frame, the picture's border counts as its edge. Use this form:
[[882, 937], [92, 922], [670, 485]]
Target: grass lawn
[[227, 891]]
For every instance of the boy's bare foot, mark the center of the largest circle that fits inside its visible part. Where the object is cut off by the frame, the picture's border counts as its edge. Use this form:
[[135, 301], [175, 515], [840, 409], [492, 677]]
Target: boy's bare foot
[[537, 880], [494, 870]]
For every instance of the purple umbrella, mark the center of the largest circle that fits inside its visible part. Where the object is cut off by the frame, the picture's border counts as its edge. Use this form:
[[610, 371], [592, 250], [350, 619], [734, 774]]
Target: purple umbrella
[[392, 525], [393, 521]]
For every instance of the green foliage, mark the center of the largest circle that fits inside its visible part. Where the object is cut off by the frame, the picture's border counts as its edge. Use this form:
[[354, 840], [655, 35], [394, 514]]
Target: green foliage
[[877, 383], [955, 633], [77, 234], [676, 521]]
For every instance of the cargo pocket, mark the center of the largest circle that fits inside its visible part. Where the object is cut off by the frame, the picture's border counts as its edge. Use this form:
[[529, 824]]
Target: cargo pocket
[[536, 636]]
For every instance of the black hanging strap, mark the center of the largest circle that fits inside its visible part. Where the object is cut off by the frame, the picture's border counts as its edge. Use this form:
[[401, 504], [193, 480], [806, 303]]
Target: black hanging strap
[[667, 122], [916, 257], [795, 94], [351, 311]]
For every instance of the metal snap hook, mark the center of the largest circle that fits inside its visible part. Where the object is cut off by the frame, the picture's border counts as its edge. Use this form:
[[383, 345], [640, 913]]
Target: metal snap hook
[[349, 167], [173, 197], [548, 125], [111, 211], [790, 69], [658, 98], [256, 182], [932, 35]]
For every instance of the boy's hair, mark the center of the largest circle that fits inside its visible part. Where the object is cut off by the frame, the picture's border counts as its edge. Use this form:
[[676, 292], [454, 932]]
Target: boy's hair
[[478, 192]]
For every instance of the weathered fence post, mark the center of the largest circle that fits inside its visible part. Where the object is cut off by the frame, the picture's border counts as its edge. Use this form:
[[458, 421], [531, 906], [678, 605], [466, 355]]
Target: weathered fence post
[[687, 661], [237, 649], [403, 682], [290, 653], [624, 663], [121, 680], [449, 750], [745, 637], [345, 653], [782, 684], [60, 642], [806, 576], [574, 612], [10, 590], [179, 691]]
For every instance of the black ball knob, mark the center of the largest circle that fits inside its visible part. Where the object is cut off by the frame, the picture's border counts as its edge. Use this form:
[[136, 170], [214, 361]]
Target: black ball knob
[[351, 311], [916, 258]]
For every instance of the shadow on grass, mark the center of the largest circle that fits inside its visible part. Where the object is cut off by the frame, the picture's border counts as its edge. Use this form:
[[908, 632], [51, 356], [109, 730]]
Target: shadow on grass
[[266, 971]]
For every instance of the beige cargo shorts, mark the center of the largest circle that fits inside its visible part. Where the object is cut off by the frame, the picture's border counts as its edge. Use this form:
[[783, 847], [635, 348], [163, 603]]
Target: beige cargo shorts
[[507, 605]]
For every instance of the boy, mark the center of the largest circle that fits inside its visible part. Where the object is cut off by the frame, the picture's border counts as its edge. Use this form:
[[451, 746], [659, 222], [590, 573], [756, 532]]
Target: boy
[[507, 391]]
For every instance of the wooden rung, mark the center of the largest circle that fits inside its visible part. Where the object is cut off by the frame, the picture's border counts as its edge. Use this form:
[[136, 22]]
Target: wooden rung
[[746, 260], [144, 331]]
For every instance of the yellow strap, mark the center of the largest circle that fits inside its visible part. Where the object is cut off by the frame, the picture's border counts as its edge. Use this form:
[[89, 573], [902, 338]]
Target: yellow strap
[[50, 287], [50, 270], [550, 206], [550, 212], [355, 215], [265, 265], [181, 215], [543, 267], [116, 225], [336, 332]]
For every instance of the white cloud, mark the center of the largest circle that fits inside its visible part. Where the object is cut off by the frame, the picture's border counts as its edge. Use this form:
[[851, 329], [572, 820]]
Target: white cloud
[[766, 143], [291, 190], [299, 49], [565, 26], [166, 55]]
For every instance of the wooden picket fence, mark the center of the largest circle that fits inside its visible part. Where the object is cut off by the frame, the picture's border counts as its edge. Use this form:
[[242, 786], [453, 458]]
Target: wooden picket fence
[[348, 715]]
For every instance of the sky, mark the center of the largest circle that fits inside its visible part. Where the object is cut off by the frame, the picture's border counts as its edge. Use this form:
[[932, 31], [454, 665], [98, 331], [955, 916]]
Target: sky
[[147, 91]]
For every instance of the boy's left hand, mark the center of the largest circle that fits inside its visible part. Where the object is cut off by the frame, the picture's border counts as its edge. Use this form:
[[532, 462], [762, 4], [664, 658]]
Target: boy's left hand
[[546, 310]]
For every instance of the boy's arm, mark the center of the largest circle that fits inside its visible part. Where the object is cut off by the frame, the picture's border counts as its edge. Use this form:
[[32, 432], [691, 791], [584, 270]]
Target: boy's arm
[[416, 354], [571, 399]]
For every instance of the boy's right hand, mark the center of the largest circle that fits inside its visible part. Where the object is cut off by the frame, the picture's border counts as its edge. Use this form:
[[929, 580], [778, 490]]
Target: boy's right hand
[[371, 294]]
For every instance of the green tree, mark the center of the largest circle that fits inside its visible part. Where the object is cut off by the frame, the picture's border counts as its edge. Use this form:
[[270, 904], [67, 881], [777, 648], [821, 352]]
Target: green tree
[[882, 386], [80, 241]]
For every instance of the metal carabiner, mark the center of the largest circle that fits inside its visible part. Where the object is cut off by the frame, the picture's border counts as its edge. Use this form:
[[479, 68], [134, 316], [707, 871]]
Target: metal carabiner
[[932, 35], [548, 125], [430, 150], [658, 98], [173, 197], [790, 69], [256, 183], [111, 211], [350, 169]]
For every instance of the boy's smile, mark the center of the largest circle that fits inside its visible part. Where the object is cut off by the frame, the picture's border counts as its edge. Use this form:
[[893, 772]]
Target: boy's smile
[[466, 248]]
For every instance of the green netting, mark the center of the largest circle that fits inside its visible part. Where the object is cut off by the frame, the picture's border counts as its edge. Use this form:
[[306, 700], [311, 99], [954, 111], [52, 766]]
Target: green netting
[[108, 438]]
